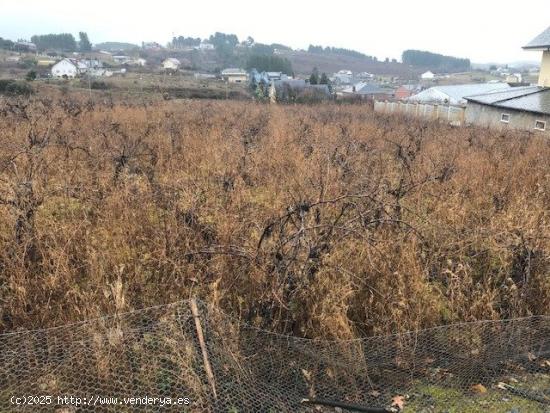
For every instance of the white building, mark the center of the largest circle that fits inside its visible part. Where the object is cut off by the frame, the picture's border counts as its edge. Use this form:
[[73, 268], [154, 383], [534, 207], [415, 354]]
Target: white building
[[204, 76], [206, 46], [121, 59], [427, 75], [514, 78], [101, 72], [171, 64], [72, 68], [343, 77], [365, 75], [345, 72], [138, 62], [274, 76], [66, 68]]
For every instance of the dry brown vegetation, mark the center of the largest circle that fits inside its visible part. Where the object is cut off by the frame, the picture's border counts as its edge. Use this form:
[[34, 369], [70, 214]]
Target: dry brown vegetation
[[310, 220]]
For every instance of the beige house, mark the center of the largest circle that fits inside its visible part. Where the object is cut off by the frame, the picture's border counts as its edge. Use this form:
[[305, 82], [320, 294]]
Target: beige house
[[542, 43], [525, 108], [44, 61], [233, 75], [171, 64]]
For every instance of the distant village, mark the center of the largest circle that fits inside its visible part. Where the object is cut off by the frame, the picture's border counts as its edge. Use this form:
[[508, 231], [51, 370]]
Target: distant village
[[508, 99]]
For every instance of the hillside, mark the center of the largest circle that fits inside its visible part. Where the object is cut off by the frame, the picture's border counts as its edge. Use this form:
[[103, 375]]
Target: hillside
[[304, 62], [115, 46], [436, 62]]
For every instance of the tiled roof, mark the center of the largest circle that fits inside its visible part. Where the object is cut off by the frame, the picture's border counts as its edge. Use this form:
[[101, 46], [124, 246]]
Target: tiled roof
[[534, 99], [542, 41]]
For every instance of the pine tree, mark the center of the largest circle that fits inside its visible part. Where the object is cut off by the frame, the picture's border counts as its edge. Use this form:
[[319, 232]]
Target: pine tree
[[314, 78], [85, 45]]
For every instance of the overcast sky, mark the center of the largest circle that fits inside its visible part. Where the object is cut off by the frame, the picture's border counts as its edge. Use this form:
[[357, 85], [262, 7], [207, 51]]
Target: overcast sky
[[483, 30]]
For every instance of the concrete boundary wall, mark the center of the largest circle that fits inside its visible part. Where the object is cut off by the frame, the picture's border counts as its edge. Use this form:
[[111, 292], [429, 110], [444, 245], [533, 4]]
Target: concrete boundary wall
[[449, 113]]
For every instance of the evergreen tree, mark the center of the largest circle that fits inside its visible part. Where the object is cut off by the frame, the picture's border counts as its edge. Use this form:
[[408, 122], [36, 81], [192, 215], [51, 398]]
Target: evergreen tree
[[31, 75], [324, 79], [438, 62], [266, 63], [5, 44], [64, 42], [84, 44], [314, 78]]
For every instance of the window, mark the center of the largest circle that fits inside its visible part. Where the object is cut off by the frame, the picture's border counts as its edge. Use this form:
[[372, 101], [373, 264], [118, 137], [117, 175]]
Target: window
[[505, 117], [540, 125]]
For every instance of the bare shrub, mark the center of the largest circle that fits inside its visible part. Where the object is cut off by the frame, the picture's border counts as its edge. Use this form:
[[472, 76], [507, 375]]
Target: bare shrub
[[312, 220]]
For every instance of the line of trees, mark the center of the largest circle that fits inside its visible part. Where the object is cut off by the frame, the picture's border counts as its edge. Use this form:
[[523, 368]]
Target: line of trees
[[6, 43], [181, 42], [267, 63], [316, 79], [62, 41], [434, 61], [222, 40], [338, 50]]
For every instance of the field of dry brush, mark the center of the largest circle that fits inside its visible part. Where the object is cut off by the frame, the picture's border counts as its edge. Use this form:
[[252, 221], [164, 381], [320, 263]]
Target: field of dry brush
[[318, 221]]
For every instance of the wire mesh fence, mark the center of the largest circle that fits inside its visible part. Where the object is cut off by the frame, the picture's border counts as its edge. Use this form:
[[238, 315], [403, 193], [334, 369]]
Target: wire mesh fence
[[175, 358]]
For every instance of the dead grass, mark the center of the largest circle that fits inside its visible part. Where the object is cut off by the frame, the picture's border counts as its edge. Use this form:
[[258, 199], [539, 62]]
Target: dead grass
[[321, 221]]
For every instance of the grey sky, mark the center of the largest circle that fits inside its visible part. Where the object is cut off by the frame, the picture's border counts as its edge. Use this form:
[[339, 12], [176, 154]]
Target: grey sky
[[484, 31]]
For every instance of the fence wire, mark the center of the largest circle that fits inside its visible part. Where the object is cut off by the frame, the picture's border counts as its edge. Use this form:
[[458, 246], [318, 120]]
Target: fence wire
[[490, 366]]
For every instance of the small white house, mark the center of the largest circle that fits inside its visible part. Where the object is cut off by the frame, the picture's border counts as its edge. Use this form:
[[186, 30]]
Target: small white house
[[427, 75], [121, 59], [66, 68], [343, 77], [138, 62], [82, 66], [206, 46], [514, 78], [171, 64]]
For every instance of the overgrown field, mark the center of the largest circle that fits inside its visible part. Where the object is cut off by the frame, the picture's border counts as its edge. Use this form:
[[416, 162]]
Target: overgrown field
[[318, 221]]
